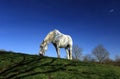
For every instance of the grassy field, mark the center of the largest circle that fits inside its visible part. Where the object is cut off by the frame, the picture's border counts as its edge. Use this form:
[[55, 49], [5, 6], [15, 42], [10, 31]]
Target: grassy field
[[24, 66]]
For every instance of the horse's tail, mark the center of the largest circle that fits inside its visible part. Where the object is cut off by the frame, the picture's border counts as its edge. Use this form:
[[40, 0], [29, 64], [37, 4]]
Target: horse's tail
[[70, 40]]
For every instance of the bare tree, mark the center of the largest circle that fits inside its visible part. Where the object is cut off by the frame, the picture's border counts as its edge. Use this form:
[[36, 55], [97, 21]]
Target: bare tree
[[117, 60], [100, 53], [77, 52]]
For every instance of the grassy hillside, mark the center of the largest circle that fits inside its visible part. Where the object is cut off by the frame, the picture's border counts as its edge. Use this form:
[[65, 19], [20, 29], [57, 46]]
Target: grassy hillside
[[23, 66]]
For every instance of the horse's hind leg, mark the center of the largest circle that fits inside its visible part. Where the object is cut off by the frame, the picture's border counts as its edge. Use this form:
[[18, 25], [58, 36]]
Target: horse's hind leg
[[70, 53]]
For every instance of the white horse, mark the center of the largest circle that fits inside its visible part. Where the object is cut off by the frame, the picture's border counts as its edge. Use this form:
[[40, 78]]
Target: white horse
[[59, 40]]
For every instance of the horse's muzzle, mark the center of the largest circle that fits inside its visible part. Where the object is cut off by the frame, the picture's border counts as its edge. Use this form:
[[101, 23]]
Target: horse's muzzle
[[41, 54]]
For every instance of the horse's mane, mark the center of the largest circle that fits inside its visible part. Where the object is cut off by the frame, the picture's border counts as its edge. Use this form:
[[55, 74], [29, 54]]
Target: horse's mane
[[56, 31], [52, 34]]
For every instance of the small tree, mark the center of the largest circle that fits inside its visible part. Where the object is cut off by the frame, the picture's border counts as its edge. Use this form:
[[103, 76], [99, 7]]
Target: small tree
[[88, 58], [100, 53], [77, 52]]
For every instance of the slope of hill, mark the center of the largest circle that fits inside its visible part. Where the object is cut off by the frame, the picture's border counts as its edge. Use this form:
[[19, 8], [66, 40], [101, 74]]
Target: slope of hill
[[23, 66]]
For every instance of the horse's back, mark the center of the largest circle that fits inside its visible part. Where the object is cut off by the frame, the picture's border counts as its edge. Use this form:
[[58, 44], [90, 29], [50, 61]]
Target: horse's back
[[66, 39]]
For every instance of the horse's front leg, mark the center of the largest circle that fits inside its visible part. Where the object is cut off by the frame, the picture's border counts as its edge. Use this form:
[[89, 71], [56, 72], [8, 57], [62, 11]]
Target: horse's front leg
[[67, 51], [58, 52]]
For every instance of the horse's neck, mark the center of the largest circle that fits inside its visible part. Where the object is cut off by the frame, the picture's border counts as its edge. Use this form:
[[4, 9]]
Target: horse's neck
[[49, 38], [52, 35]]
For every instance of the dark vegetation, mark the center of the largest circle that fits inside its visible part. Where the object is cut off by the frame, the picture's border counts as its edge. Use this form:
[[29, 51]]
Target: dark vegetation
[[99, 55], [24, 66]]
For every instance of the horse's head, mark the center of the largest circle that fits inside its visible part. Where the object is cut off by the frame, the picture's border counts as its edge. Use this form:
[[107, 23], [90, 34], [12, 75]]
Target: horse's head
[[43, 48]]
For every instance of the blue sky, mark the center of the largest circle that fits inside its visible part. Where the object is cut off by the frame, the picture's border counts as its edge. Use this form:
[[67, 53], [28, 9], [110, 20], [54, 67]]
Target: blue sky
[[25, 23]]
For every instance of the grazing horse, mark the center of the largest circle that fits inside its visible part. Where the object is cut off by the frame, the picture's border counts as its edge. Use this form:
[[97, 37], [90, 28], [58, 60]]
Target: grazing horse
[[59, 40]]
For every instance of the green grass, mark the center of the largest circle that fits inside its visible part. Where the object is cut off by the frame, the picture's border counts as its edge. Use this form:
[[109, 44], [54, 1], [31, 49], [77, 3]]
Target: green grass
[[24, 66]]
